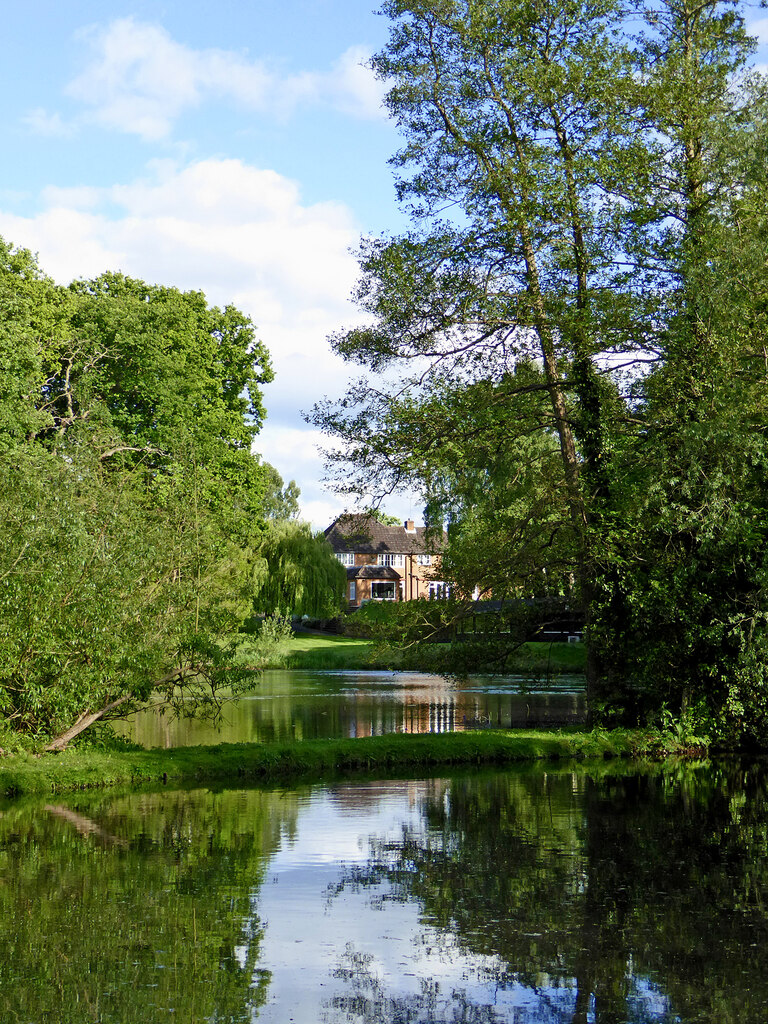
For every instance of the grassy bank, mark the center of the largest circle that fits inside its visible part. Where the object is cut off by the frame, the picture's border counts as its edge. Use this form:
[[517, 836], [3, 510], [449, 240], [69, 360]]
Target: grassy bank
[[77, 770], [322, 651]]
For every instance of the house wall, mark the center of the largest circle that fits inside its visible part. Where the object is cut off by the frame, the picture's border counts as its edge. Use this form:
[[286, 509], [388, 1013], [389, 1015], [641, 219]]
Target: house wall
[[415, 581]]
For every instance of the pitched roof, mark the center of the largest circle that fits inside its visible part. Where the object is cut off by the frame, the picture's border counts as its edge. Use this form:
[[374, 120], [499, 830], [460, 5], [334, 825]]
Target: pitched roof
[[372, 572], [366, 535]]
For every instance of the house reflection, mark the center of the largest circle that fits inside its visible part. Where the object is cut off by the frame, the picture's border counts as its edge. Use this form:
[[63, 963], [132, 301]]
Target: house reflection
[[466, 711], [312, 705]]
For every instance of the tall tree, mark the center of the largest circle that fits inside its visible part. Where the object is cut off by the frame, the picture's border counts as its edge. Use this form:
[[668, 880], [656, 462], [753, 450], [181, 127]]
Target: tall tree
[[688, 581], [565, 170], [129, 497], [280, 500], [507, 109]]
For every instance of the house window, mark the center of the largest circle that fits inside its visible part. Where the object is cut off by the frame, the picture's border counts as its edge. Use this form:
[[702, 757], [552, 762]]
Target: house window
[[439, 591], [353, 591], [425, 559], [395, 560], [346, 557], [383, 591]]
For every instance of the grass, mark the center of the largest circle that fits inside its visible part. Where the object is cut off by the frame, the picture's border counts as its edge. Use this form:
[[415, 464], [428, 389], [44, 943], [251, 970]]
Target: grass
[[557, 657], [324, 651], [327, 652], [89, 768]]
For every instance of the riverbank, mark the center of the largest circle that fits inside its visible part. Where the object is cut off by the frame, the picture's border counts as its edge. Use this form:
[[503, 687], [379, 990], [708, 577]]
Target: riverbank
[[324, 651], [87, 768]]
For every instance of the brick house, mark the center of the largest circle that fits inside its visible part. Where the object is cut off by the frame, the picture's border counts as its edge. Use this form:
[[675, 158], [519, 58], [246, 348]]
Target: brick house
[[386, 563]]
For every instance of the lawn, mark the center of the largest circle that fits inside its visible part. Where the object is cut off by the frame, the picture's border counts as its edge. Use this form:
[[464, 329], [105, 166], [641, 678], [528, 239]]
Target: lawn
[[326, 651], [235, 763]]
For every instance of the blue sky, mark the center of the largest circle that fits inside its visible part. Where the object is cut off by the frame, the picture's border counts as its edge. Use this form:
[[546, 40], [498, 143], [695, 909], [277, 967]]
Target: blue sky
[[239, 148]]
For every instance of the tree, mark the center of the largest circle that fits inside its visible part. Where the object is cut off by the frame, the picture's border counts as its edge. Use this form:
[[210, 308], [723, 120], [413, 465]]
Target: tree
[[383, 517], [297, 573], [505, 108], [129, 497], [566, 176], [280, 500], [688, 582]]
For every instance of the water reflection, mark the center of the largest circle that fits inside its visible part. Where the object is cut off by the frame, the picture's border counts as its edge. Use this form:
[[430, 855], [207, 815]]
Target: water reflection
[[136, 909], [290, 705], [526, 896]]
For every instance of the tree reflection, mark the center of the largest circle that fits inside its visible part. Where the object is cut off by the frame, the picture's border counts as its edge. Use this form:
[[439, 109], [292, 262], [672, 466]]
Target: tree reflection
[[138, 909], [627, 898]]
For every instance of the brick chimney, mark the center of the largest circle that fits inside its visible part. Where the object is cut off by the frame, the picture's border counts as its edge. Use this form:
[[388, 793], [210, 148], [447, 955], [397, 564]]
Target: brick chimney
[[410, 526]]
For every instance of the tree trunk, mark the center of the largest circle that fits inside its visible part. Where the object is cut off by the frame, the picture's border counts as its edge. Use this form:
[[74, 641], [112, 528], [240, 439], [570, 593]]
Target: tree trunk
[[83, 722]]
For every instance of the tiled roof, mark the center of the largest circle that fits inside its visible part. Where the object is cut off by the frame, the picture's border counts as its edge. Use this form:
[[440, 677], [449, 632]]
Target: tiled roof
[[367, 536], [372, 572]]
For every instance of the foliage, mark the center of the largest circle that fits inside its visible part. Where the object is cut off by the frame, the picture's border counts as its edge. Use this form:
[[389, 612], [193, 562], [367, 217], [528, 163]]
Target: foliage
[[296, 573], [280, 500], [382, 517], [455, 638], [578, 312], [129, 498]]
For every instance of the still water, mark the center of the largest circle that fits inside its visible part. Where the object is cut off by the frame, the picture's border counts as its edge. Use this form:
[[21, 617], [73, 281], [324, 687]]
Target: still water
[[529, 896], [323, 705]]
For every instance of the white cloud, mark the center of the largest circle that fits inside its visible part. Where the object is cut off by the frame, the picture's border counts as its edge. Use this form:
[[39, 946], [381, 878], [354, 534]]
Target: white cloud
[[50, 125], [139, 80], [353, 85], [759, 29], [295, 453], [243, 236]]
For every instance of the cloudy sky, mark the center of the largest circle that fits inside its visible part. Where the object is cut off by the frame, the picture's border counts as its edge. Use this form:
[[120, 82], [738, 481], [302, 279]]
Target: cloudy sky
[[239, 148]]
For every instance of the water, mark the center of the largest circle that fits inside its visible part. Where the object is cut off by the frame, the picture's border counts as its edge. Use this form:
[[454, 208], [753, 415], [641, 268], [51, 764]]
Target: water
[[322, 705], [524, 896]]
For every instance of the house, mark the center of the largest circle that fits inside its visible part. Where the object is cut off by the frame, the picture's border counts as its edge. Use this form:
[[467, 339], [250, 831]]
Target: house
[[386, 563]]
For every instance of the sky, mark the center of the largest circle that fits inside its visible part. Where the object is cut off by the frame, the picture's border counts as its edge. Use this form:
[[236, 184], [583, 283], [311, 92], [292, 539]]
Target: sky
[[237, 148]]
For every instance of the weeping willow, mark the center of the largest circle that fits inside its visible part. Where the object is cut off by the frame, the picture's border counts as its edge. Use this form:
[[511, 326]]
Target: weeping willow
[[297, 573]]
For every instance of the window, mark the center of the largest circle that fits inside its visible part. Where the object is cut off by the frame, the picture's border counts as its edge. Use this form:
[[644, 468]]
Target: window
[[439, 591], [396, 560], [383, 591], [346, 557], [352, 591], [425, 559]]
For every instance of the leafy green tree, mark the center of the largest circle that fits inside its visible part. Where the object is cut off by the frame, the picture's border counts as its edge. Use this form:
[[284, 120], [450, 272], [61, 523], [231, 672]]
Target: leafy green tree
[[280, 500], [297, 573], [571, 183], [507, 110], [383, 517], [129, 497], [680, 610]]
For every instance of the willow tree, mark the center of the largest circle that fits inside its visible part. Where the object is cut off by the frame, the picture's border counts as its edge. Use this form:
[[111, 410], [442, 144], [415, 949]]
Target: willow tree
[[563, 166], [296, 573]]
